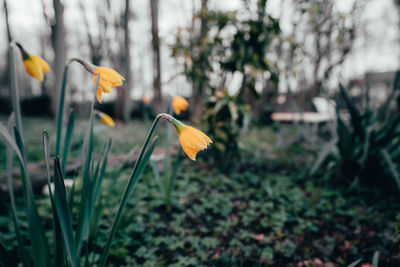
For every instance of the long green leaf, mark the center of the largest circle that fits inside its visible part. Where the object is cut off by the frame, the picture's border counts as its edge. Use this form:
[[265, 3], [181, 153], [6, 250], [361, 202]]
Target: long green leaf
[[392, 167], [61, 110], [86, 197], [323, 154], [39, 245], [57, 231], [38, 239], [9, 159], [355, 115], [375, 259], [14, 89], [60, 199], [141, 162], [99, 180], [157, 176], [67, 140], [354, 263], [396, 85]]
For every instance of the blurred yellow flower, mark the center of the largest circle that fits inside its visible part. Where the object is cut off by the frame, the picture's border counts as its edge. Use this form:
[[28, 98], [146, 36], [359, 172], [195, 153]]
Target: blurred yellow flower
[[107, 120], [192, 140], [109, 79], [36, 66], [145, 100], [179, 104]]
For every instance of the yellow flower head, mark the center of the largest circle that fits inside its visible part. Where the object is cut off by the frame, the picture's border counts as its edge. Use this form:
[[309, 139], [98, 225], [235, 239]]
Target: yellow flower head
[[192, 140], [34, 65], [107, 120], [145, 100], [109, 79], [179, 104]]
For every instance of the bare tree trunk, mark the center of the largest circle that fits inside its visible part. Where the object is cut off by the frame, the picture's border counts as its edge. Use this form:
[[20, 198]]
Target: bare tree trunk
[[95, 51], [127, 63], [7, 22], [156, 56], [5, 78], [59, 47], [198, 92]]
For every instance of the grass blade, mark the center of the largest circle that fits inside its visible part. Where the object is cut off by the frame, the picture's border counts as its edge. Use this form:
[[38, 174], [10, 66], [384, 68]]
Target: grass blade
[[67, 140], [60, 199]]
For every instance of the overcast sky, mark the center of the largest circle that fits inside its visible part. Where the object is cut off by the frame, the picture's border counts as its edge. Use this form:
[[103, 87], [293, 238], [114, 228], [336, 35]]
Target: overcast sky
[[380, 51]]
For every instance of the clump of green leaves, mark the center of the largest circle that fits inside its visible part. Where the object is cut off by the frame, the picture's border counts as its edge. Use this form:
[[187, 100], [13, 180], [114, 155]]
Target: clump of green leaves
[[367, 149], [224, 118]]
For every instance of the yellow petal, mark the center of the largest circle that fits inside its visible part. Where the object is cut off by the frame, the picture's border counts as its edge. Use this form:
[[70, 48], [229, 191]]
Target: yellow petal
[[179, 104], [33, 69], [109, 79], [99, 95], [192, 140], [107, 120]]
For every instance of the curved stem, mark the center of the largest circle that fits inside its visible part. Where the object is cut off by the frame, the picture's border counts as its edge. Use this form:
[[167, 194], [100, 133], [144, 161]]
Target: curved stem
[[127, 193]]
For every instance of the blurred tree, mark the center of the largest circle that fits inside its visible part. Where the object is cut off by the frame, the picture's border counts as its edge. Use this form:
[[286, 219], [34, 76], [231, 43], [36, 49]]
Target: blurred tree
[[332, 33], [156, 56], [224, 44], [5, 77], [218, 47], [126, 60], [60, 50], [103, 42]]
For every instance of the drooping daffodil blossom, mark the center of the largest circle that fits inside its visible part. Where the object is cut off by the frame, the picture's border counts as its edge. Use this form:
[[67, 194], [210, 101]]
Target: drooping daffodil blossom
[[104, 118], [179, 104], [192, 140], [34, 65], [109, 79], [145, 100]]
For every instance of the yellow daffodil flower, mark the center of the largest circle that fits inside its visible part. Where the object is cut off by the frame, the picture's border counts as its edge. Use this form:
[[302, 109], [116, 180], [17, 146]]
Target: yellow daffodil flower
[[34, 65], [107, 120], [109, 79], [179, 104], [192, 140], [145, 100]]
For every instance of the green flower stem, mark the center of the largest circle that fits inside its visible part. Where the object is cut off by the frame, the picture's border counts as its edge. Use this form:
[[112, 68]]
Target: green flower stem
[[15, 91], [61, 109], [127, 194]]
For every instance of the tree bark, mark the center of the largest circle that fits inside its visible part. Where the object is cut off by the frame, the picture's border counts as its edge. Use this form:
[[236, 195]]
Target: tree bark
[[5, 77], [59, 47], [127, 63], [197, 93], [156, 56]]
